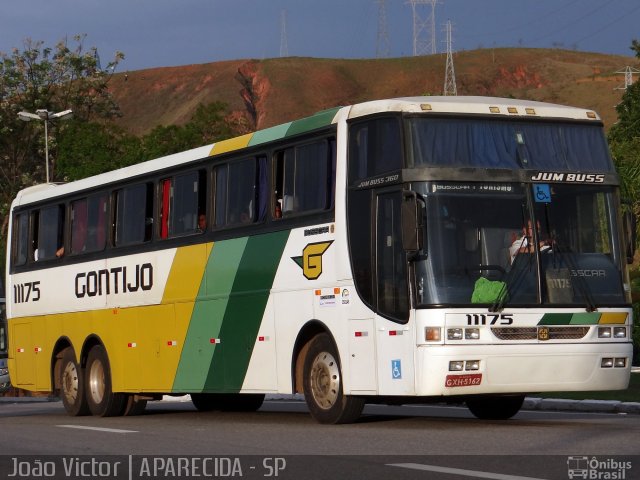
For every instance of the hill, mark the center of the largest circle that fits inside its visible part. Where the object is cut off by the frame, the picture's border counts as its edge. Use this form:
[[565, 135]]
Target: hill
[[272, 91]]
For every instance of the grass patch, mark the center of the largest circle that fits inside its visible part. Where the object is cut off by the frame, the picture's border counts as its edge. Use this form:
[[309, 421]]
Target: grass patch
[[631, 394]]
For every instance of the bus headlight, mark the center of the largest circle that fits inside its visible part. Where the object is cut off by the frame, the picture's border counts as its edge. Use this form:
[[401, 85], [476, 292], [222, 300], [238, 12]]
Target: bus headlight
[[619, 332], [604, 332], [472, 365], [472, 333], [606, 363], [456, 366], [619, 362], [454, 334]]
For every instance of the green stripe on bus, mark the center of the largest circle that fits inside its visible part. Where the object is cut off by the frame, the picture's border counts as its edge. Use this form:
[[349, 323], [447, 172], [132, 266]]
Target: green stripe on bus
[[583, 318], [245, 311], [208, 312], [269, 134], [321, 119]]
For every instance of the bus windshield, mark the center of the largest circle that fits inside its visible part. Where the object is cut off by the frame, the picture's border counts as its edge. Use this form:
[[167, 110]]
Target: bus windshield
[[513, 144], [564, 251]]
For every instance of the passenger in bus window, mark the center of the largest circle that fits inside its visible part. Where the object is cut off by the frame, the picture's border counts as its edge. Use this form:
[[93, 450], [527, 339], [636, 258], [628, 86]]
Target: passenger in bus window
[[202, 222]]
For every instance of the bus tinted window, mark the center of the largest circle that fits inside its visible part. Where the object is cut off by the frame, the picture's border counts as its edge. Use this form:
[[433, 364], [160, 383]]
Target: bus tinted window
[[49, 241], [21, 229], [134, 214], [305, 177], [241, 192], [183, 201], [375, 147], [88, 224]]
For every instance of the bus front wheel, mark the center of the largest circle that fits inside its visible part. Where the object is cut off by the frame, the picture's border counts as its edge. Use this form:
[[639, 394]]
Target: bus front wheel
[[72, 385], [495, 407], [102, 401], [322, 384]]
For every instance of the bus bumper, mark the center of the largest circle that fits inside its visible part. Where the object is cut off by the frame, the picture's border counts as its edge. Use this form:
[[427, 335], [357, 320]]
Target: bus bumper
[[466, 370]]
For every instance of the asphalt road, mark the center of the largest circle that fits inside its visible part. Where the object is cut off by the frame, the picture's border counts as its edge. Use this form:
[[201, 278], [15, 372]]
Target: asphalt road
[[388, 442]]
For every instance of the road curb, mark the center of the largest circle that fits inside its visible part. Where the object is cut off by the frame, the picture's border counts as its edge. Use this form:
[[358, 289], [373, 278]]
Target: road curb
[[596, 406]]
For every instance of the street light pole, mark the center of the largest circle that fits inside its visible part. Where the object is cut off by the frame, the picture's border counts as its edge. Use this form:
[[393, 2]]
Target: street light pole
[[46, 116]]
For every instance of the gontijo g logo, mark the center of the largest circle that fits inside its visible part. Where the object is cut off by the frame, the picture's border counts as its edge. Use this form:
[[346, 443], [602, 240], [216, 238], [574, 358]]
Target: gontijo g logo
[[311, 259]]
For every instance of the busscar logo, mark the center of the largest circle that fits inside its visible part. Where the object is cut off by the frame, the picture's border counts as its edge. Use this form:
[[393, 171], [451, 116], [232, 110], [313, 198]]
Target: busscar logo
[[311, 259]]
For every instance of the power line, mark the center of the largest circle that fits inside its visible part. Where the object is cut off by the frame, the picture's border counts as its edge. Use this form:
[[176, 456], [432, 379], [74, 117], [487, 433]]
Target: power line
[[613, 22], [573, 21]]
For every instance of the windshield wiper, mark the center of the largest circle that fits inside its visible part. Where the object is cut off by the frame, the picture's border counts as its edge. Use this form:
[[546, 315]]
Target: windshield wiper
[[580, 282], [513, 278]]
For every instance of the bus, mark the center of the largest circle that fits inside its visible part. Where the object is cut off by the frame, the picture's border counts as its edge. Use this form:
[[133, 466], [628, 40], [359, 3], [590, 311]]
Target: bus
[[361, 255], [5, 382]]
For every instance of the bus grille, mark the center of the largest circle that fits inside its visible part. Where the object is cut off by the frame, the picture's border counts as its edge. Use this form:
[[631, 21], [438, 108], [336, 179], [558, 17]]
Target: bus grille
[[531, 333]]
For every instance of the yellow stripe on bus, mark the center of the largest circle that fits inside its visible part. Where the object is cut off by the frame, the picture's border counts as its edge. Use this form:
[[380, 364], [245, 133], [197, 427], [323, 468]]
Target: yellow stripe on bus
[[231, 144], [613, 317], [162, 329]]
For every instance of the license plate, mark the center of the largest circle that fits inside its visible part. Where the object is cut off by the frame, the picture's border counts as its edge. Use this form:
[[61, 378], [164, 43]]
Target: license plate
[[465, 380]]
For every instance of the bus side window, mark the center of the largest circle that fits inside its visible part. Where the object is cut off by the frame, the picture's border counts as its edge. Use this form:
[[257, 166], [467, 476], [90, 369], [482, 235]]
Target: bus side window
[[375, 147], [305, 176], [48, 233], [133, 215], [183, 204], [241, 192], [88, 224], [21, 242]]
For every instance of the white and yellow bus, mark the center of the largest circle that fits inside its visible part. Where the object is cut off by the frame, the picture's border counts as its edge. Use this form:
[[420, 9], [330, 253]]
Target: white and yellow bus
[[406, 250]]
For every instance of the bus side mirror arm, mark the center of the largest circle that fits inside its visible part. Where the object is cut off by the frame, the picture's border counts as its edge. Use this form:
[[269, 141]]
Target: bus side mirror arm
[[412, 224]]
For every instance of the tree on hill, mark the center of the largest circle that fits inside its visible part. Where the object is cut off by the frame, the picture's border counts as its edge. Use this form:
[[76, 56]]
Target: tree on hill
[[209, 123], [54, 79], [624, 139], [43, 78]]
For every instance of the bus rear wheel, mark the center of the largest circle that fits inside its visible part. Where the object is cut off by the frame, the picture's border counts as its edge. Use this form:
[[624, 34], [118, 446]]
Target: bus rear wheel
[[322, 384], [498, 407], [100, 397], [227, 402], [72, 385]]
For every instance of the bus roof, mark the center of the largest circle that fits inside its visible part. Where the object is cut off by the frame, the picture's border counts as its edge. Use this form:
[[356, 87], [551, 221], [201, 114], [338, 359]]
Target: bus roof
[[434, 104], [474, 105]]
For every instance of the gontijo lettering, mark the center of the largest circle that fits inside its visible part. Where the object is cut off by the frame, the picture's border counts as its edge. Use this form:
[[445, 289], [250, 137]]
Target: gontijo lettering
[[114, 280]]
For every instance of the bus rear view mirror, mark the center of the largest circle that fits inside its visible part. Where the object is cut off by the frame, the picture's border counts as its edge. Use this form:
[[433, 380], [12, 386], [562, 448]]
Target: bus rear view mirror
[[412, 225]]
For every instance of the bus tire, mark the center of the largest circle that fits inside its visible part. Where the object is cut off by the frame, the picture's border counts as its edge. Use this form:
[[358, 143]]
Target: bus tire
[[102, 401], [498, 407], [72, 386], [322, 384], [133, 406], [227, 402]]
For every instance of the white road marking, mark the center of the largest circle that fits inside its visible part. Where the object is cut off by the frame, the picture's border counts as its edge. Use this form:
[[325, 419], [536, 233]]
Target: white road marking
[[459, 471], [98, 429]]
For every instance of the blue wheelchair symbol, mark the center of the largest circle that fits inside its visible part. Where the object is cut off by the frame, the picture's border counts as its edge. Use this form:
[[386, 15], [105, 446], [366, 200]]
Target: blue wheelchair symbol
[[396, 369], [542, 193]]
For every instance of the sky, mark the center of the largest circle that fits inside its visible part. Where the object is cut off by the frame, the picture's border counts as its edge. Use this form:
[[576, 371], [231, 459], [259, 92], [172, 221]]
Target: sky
[[160, 33]]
